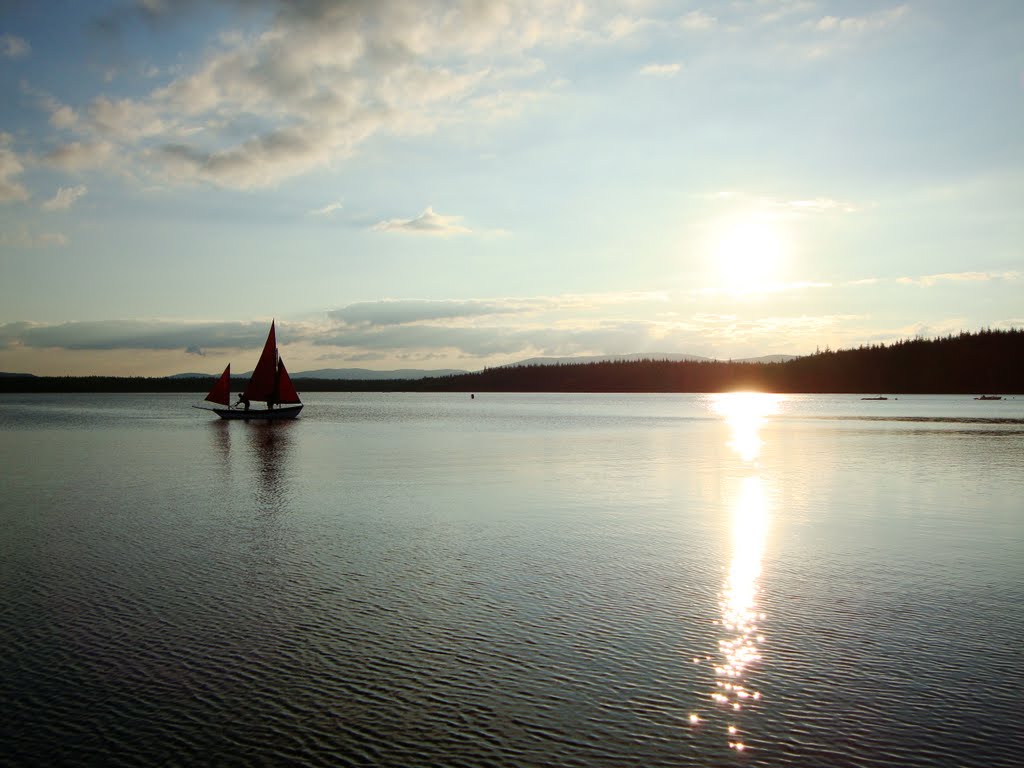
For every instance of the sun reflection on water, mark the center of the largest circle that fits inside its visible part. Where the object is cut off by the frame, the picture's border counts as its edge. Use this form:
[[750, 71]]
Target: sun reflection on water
[[745, 413], [740, 619]]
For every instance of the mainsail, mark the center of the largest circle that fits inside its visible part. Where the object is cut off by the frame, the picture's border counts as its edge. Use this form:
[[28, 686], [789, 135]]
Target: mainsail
[[262, 385], [221, 392], [270, 381]]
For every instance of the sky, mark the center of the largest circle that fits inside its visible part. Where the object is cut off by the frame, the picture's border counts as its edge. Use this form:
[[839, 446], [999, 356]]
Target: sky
[[417, 184]]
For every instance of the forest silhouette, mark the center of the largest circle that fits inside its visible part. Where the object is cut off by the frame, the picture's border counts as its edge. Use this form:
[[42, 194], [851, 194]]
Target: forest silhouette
[[988, 361]]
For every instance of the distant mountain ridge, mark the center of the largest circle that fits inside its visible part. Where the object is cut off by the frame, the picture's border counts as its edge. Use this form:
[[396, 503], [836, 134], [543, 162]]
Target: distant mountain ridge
[[634, 356], [361, 374], [351, 374], [368, 374], [672, 357]]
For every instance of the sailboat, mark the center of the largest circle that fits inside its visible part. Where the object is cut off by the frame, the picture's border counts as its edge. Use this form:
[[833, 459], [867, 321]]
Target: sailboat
[[270, 384]]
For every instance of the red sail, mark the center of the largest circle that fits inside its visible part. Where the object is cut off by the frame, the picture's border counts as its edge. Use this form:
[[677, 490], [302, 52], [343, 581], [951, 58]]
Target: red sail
[[221, 392], [286, 393], [264, 378]]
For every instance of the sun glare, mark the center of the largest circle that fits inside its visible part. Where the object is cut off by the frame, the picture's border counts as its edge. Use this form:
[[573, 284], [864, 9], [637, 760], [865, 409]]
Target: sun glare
[[745, 412], [749, 252]]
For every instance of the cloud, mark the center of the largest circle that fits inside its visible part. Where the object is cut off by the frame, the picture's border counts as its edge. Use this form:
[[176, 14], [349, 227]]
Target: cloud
[[402, 311], [519, 338], [622, 27], [405, 311], [697, 21], [661, 70], [765, 288], [837, 33], [805, 205], [320, 78], [327, 210], [427, 223], [12, 47], [11, 190], [784, 9], [63, 116], [136, 334], [927, 281], [64, 199], [79, 156], [860, 24], [816, 205], [23, 238], [491, 330]]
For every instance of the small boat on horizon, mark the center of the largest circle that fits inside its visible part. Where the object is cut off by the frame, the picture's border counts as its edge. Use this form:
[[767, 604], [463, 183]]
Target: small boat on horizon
[[880, 397], [270, 384], [989, 397]]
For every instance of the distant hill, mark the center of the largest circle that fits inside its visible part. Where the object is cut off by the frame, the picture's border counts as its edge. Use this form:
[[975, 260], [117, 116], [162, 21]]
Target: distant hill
[[767, 359], [350, 374], [368, 374], [363, 374], [4, 375], [633, 357], [200, 376]]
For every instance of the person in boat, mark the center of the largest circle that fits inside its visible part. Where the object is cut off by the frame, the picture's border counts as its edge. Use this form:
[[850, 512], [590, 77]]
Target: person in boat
[[270, 404], [243, 400]]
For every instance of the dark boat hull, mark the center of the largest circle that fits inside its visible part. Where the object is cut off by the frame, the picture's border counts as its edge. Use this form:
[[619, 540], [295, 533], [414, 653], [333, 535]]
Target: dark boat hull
[[286, 412]]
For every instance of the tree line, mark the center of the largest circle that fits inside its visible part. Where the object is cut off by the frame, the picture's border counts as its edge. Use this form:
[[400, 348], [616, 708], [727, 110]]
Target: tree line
[[988, 361]]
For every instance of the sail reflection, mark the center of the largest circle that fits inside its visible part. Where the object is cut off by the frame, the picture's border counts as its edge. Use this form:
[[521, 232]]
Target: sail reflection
[[740, 618]]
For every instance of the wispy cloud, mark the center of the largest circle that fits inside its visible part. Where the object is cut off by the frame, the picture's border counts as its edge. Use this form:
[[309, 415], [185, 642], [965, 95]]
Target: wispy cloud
[[328, 210], [816, 205], [859, 24], [11, 190], [427, 223], [23, 238], [927, 281], [80, 156], [697, 21], [765, 288], [402, 311], [13, 47], [661, 70], [65, 198], [803, 205]]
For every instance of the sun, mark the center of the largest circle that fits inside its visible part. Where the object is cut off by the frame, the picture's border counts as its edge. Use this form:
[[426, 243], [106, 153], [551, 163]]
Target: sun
[[749, 251]]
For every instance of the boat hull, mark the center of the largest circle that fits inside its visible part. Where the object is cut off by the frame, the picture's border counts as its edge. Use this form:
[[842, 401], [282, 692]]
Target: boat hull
[[277, 414]]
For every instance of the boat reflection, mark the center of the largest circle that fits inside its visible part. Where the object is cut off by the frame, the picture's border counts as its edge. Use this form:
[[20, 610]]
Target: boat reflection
[[270, 444], [221, 437], [739, 616]]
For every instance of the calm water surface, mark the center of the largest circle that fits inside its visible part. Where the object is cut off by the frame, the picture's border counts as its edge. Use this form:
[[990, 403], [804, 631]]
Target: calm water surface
[[581, 580]]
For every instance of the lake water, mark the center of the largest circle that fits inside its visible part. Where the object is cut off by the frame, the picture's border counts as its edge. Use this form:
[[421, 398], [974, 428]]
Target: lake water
[[514, 580]]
